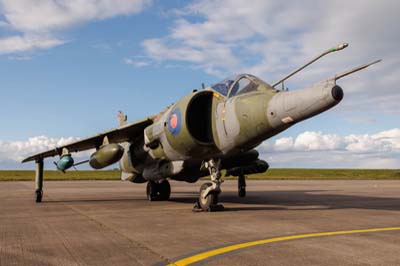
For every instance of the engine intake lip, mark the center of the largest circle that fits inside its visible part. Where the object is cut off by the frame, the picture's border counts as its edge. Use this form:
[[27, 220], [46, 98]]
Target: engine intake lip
[[337, 93]]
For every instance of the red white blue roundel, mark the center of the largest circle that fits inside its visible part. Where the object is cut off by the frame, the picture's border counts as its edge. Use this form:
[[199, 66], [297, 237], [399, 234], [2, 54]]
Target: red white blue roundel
[[175, 122]]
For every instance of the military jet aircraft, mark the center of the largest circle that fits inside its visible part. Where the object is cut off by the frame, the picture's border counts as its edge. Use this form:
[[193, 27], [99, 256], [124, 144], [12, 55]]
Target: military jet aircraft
[[209, 130]]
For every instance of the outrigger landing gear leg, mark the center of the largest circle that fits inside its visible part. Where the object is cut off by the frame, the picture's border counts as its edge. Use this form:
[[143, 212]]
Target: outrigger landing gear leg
[[39, 180], [242, 186], [209, 192]]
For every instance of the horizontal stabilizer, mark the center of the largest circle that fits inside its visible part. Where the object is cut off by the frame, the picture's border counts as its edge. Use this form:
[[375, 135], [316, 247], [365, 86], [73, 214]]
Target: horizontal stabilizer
[[351, 71]]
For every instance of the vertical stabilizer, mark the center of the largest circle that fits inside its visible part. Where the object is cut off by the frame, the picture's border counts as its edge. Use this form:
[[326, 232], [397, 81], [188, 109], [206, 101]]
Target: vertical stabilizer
[[122, 118]]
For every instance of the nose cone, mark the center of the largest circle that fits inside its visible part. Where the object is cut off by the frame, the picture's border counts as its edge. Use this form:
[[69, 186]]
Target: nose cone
[[288, 108], [337, 93]]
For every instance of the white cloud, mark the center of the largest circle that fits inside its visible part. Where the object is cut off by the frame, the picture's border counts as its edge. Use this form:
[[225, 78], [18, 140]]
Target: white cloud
[[15, 44], [315, 149], [137, 62], [18, 150], [310, 141], [390, 136], [308, 149], [20, 58], [207, 57], [4, 24], [38, 23], [360, 120], [270, 38], [283, 144], [317, 141]]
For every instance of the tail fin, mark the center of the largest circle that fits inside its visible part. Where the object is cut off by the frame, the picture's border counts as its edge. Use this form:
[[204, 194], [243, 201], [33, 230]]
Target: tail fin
[[122, 118]]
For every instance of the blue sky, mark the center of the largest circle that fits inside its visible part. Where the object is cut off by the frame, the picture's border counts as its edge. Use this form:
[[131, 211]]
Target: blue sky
[[67, 67]]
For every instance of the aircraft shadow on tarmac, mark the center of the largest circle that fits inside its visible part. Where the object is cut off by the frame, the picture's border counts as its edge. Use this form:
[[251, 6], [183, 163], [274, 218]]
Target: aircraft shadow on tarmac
[[271, 200], [299, 200]]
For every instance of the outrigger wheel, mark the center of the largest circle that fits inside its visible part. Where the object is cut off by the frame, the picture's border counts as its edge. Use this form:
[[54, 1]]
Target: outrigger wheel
[[158, 191], [39, 195]]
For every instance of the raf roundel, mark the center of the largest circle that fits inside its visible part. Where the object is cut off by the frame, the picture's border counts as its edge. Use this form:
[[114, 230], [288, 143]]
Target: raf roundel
[[175, 122]]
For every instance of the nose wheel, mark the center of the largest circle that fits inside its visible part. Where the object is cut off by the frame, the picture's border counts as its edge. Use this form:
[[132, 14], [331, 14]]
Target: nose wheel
[[207, 200], [209, 192]]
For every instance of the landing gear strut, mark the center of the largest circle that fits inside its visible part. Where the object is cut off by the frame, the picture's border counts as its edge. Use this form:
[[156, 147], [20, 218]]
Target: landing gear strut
[[209, 192], [39, 180], [242, 186], [158, 191]]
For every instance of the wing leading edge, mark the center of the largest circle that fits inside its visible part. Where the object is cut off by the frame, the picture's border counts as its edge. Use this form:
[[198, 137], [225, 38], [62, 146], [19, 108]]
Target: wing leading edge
[[123, 133]]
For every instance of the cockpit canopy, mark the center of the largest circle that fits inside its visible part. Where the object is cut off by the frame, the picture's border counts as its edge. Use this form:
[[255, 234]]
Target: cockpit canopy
[[240, 84]]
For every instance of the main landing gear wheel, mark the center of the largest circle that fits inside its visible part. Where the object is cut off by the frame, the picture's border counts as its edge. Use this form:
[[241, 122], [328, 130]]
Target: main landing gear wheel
[[158, 191], [39, 195]]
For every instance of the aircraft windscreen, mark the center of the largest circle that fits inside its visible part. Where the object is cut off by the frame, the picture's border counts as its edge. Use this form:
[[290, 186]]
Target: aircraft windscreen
[[223, 87], [242, 86], [243, 83]]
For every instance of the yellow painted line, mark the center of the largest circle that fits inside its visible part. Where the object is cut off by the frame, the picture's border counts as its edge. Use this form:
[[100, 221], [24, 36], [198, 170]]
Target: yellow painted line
[[208, 254]]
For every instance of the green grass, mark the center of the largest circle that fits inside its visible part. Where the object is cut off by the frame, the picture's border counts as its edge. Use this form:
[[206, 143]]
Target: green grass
[[328, 174], [57, 175], [272, 174]]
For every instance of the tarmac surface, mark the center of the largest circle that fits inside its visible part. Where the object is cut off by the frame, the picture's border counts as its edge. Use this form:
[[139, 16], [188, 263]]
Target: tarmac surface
[[112, 223]]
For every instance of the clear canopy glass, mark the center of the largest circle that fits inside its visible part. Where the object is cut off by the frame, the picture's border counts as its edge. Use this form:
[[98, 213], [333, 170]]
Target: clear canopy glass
[[240, 84]]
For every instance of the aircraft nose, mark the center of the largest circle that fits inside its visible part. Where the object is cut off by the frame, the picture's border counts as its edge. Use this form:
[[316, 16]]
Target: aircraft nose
[[289, 107], [337, 93]]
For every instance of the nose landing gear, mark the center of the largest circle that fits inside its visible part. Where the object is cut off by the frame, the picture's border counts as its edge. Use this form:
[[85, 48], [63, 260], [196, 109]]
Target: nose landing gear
[[209, 192]]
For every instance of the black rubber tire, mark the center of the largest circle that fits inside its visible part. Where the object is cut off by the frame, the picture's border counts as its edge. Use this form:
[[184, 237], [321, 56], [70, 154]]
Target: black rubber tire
[[158, 191], [164, 190], [211, 199], [242, 186], [39, 196], [151, 191]]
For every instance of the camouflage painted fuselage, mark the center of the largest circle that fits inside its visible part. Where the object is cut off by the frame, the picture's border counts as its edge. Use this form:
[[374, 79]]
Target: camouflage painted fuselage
[[224, 121]]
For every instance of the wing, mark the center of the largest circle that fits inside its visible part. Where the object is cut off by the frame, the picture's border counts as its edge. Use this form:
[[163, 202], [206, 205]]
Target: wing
[[123, 133]]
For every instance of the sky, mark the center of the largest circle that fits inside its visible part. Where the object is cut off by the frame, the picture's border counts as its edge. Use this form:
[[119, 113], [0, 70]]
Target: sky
[[68, 66]]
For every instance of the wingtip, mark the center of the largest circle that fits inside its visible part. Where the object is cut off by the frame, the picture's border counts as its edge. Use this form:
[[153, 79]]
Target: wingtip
[[26, 160], [32, 158]]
